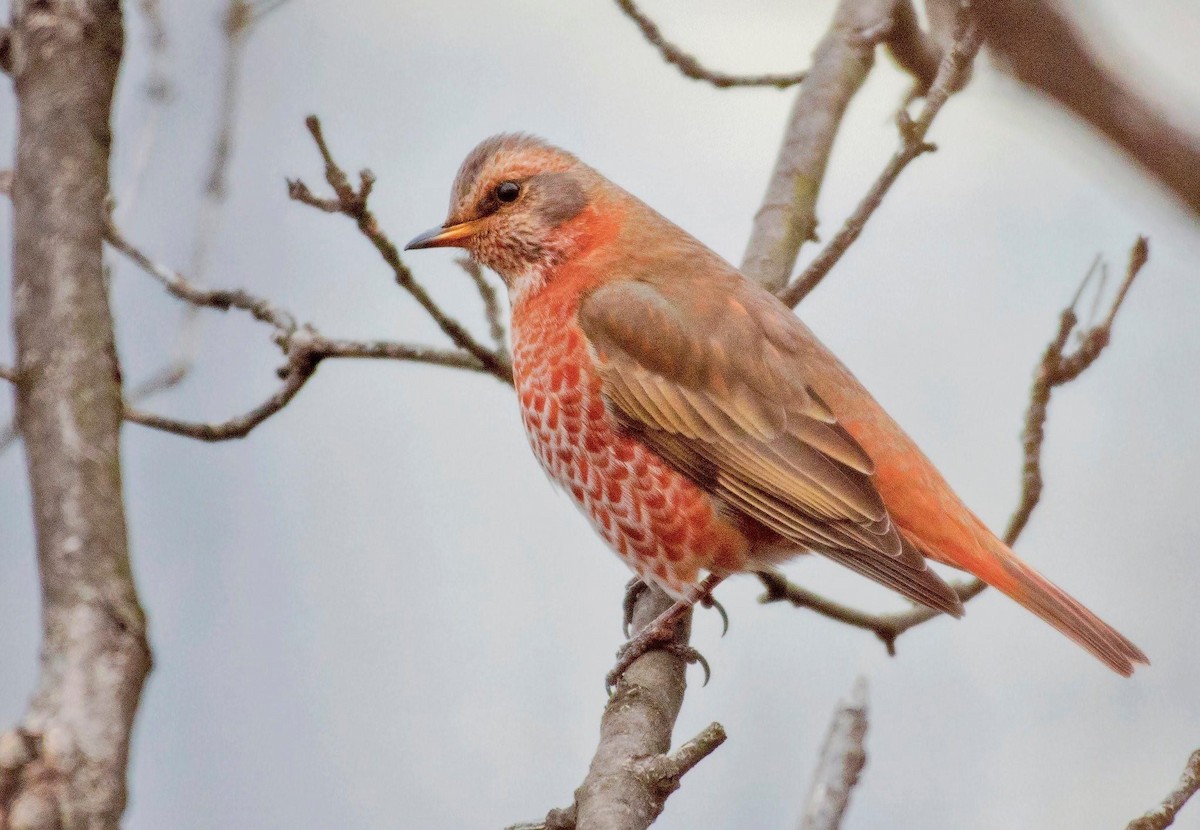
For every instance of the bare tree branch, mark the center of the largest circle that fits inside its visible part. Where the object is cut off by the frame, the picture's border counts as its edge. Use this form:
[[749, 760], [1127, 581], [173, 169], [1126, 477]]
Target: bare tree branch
[[1041, 46], [491, 303], [842, 60], [1056, 368], [632, 774], [64, 767], [236, 25], [691, 67], [352, 202], [952, 74], [303, 348], [1163, 815], [842, 760], [787, 218]]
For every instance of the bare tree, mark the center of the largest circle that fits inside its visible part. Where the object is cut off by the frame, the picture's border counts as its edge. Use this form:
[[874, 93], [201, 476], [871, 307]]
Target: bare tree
[[65, 764]]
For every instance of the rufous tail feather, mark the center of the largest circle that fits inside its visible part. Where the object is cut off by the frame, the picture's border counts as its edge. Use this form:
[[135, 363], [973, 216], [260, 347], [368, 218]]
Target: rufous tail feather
[[1054, 605]]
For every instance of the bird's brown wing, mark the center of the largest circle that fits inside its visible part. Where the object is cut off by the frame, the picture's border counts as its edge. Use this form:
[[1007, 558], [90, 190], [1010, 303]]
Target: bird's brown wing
[[714, 382]]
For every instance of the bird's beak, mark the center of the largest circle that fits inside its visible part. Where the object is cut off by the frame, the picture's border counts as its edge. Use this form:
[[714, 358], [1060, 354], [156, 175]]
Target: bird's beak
[[447, 236]]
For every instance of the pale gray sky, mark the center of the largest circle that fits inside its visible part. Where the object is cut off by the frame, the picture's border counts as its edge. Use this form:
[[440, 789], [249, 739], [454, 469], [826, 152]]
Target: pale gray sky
[[376, 612]]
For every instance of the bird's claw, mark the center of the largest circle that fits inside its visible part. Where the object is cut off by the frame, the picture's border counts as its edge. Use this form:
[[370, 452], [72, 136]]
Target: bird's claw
[[711, 602], [691, 656], [649, 639]]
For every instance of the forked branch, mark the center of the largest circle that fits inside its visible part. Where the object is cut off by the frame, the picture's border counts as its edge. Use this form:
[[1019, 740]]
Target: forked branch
[[303, 347], [952, 74], [353, 203]]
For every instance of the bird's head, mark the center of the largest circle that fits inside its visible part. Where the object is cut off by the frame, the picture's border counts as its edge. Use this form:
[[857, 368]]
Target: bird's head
[[513, 207]]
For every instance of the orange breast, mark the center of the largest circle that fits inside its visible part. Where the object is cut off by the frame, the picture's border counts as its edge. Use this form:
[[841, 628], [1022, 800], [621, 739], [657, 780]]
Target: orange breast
[[658, 521]]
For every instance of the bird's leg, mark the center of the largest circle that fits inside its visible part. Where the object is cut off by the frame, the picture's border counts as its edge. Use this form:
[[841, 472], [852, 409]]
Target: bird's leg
[[633, 589], [661, 631]]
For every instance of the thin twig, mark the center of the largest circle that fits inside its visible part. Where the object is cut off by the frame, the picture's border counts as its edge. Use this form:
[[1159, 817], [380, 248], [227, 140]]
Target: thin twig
[[303, 348], [1163, 815], [691, 67], [352, 202], [492, 309], [662, 772], [236, 25], [182, 288], [952, 73], [9, 374], [843, 757], [1055, 369]]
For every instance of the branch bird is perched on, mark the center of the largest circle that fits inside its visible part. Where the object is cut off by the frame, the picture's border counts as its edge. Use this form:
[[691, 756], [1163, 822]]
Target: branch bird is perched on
[[698, 423]]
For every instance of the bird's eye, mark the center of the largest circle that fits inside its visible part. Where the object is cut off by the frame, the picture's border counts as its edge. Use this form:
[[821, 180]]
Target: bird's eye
[[508, 191]]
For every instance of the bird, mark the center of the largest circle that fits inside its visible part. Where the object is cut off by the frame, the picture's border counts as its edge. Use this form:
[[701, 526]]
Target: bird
[[699, 424]]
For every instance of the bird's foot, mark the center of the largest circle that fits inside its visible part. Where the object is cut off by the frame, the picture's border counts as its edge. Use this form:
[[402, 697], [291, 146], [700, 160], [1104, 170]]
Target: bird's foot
[[660, 633], [632, 650]]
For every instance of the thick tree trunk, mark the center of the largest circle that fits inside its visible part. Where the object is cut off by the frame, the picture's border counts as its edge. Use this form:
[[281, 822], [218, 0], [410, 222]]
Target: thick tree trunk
[[65, 766]]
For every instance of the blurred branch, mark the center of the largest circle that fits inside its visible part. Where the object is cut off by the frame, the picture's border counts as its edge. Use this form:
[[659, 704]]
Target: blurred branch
[[352, 202], [159, 91], [840, 65], [6, 36], [303, 348], [632, 773], [262, 8], [691, 67], [158, 82], [1056, 368], [842, 760], [491, 304], [952, 73], [1163, 816], [1040, 46], [236, 25]]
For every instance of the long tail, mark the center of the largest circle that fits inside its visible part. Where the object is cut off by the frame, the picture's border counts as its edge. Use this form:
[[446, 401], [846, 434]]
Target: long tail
[[1054, 605]]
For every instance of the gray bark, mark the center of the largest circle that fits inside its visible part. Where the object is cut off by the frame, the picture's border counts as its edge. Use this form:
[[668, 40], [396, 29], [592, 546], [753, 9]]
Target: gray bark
[[65, 766], [842, 760]]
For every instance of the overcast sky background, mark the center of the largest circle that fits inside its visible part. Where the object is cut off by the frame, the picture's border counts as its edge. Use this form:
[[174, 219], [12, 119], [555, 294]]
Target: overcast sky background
[[375, 612]]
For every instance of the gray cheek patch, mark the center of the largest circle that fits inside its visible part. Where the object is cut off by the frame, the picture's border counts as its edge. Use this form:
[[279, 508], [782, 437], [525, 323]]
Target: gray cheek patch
[[559, 198]]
